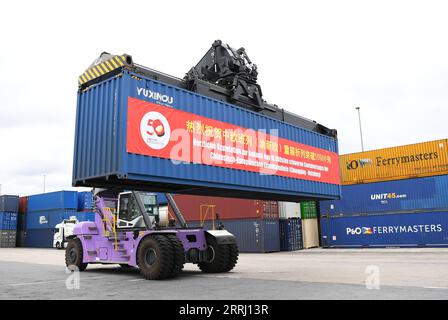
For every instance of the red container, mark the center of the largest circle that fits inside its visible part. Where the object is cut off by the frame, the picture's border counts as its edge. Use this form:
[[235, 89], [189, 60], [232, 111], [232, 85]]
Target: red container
[[23, 204], [202, 208]]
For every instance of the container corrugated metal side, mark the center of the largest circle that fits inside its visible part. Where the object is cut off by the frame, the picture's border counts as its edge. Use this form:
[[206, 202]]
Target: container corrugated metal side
[[9, 203], [252, 235], [53, 201], [291, 234], [101, 157], [420, 194], [403, 162], [202, 208], [47, 219], [428, 229], [85, 201], [39, 238], [8, 220]]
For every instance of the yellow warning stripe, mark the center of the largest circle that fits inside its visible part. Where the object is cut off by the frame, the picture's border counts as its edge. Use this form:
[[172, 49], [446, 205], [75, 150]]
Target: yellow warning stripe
[[119, 61], [109, 65], [102, 68], [113, 62], [103, 65], [94, 71]]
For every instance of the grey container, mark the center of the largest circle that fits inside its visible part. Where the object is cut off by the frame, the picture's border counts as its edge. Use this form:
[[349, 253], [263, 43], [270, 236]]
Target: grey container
[[7, 238], [9, 203], [252, 235]]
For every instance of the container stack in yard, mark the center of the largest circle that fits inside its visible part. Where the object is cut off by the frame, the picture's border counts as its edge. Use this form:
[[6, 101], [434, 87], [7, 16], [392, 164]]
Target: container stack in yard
[[255, 223], [44, 211], [390, 197], [290, 226], [9, 206], [85, 211]]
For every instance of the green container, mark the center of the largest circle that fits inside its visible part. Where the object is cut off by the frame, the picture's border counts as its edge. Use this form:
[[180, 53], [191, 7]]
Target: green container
[[308, 210]]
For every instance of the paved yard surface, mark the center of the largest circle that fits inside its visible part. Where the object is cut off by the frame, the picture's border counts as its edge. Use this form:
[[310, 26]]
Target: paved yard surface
[[305, 274]]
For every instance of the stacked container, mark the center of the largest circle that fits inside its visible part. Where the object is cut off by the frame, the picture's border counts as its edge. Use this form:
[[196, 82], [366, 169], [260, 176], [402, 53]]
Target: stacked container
[[390, 197], [291, 234], [44, 212], [290, 226], [255, 223], [9, 206]]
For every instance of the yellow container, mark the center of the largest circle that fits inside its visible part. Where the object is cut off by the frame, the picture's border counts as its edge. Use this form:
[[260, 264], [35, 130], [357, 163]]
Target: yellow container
[[403, 162]]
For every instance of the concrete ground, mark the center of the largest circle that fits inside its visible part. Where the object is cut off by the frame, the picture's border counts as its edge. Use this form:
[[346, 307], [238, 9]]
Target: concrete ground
[[306, 274]]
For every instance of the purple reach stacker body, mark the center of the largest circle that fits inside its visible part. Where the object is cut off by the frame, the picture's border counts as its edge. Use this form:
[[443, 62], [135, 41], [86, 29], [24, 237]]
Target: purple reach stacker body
[[129, 231]]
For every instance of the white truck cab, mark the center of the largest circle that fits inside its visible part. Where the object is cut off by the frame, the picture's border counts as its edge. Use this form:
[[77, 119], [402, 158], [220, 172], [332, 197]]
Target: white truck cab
[[62, 231]]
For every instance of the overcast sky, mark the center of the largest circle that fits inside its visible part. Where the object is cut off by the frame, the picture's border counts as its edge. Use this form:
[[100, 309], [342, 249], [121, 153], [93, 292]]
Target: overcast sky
[[318, 59]]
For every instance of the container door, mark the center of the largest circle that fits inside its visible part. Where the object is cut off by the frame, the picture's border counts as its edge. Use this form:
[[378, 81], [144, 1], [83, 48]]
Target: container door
[[310, 233]]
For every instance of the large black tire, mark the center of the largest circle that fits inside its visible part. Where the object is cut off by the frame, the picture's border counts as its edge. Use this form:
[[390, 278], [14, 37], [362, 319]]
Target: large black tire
[[233, 257], [218, 257], [155, 257], [178, 255], [74, 255]]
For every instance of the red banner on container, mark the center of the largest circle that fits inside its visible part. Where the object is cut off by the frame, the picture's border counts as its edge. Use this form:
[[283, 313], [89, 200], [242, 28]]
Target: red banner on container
[[164, 132]]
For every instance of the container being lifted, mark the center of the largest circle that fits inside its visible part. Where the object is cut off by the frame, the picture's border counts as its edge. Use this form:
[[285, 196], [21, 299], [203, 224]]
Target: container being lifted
[[210, 133]]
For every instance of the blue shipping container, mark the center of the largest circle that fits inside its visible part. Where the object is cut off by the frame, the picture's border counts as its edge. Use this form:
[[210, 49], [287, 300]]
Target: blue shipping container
[[8, 220], [85, 200], [46, 219], [291, 234], [9, 203], [101, 157], [387, 230], [81, 215], [421, 194], [39, 238], [252, 235], [53, 201]]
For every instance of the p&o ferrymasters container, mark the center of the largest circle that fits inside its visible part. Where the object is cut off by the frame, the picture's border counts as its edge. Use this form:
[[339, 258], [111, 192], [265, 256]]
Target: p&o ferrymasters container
[[139, 133], [403, 162], [428, 229]]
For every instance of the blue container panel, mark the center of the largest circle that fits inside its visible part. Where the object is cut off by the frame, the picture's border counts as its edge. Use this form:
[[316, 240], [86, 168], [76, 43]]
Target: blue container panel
[[53, 201], [161, 199], [252, 235], [404, 229], [8, 220], [39, 238], [100, 145], [46, 219], [291, 234], [401, 195], [85, 200], [9, 203]]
